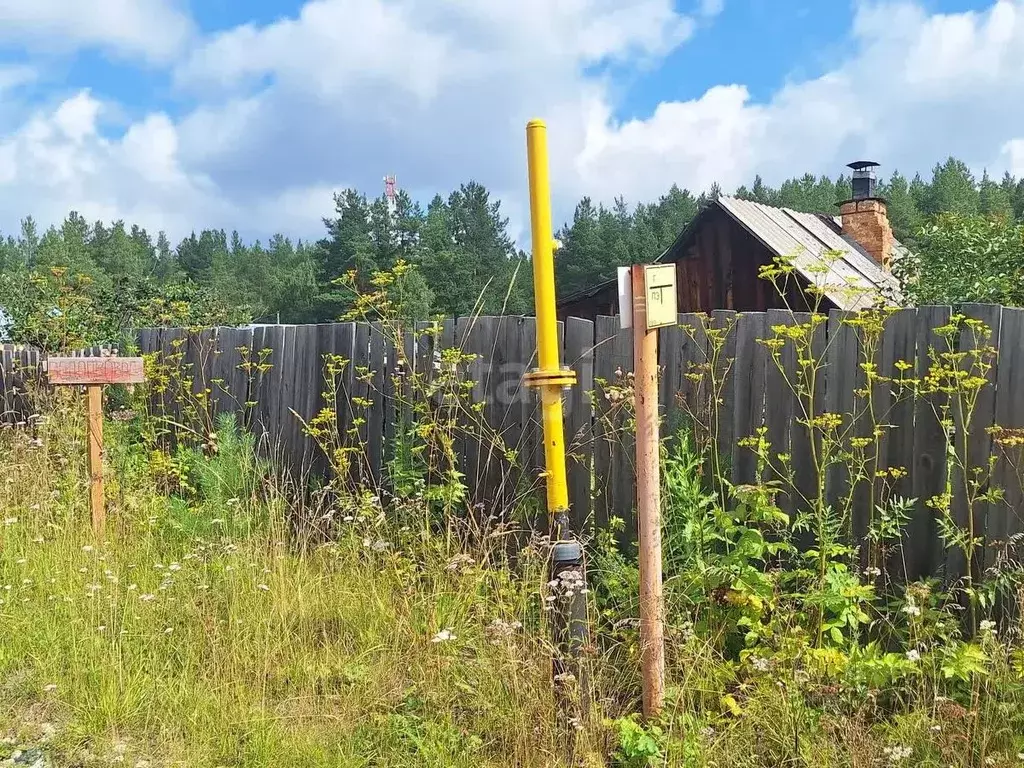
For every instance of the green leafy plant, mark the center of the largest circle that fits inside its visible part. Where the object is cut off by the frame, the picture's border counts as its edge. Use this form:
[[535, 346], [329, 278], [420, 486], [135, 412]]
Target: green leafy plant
[[638, 746]]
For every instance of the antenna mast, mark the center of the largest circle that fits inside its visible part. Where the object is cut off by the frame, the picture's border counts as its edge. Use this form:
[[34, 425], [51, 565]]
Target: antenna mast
[[389, 193]]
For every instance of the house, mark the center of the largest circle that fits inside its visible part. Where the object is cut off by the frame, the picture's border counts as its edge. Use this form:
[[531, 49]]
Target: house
[[848, 257]]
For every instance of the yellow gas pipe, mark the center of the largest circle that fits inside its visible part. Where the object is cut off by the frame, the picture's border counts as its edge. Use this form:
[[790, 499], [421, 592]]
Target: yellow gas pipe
[[549, 376]]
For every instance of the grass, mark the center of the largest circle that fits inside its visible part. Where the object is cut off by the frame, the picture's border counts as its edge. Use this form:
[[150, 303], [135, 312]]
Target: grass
[[166, 645], [205, 632]]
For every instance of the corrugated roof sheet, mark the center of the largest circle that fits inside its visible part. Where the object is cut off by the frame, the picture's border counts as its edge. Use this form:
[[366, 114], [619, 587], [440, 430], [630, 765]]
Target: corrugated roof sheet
[[847, 275]]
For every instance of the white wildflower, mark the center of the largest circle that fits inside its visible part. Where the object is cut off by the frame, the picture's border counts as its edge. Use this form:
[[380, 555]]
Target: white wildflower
[[174, 567], [897, 754], [987, 626], [913, 655], [443, 636], [147, 597]]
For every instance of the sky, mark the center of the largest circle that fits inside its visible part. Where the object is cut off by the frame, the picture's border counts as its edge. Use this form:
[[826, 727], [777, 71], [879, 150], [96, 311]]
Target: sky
[[247, 115]]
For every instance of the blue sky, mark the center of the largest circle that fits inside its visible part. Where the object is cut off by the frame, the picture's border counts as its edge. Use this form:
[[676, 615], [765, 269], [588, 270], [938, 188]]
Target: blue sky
[[247, 115]]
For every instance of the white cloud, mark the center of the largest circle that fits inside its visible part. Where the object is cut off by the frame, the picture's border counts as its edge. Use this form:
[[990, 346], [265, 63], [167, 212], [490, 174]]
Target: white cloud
[[13, 77], [439, 91], [710, 8], [1013, 156], [155, 29], [915, 89], [59, 161]]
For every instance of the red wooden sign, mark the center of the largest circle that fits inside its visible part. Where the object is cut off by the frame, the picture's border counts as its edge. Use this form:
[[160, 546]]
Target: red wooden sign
[[95, 370]]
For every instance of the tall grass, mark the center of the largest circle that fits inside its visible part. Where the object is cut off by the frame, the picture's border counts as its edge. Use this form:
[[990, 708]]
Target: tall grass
[[201, 633]]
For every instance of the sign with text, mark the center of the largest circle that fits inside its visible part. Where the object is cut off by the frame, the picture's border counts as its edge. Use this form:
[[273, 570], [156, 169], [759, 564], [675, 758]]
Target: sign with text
[[660, 287], [94, 370]]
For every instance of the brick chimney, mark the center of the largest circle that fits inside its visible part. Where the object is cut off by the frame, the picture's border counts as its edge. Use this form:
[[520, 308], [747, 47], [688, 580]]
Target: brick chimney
[[865, 217]]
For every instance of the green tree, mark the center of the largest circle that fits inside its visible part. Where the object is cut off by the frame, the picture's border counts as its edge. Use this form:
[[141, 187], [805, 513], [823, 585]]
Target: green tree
[[469, 260], [904, 215], [952, 190], [579, 259], [994, 199], [962, 258]]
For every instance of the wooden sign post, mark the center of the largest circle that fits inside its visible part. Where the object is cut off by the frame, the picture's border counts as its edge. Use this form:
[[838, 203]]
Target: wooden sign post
[[653, 289], [94, 373]]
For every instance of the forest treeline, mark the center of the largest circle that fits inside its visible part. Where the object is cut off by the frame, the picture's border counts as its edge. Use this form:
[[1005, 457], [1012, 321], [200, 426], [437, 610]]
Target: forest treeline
[[464, 256]]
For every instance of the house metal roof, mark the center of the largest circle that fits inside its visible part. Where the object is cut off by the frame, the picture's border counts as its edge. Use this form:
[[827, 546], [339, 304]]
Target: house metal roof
[[848, 275], [838, 265]]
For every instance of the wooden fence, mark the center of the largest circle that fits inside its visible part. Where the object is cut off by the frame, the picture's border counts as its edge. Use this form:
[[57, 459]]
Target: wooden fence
[[272, 378], [718, 358]]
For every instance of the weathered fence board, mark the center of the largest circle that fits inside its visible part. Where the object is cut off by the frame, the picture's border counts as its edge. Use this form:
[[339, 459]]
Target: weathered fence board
[[780, 407], [605, 331], [808, 399], [748, 376], [724, 323], [754, 372], [841, 371], [929, 463], [579, 429], [899, 342], [1009, 414]]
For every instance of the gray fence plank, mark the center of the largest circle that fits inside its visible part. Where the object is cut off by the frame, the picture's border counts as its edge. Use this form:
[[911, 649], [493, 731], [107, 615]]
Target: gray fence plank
[[388, 397], [1005, 518], [973, 443], [724, 322], [375, 419], [308, 377], [694, 392], [496, 490], [748, 391], [780, 408], [671, 341], [840, 377], [623, 454], [899, 355], [605, 331], [229, 380], [922, 543], [579, 428], [286, 424], [359, 405], [804, 371], [515, 397], [344, 339]]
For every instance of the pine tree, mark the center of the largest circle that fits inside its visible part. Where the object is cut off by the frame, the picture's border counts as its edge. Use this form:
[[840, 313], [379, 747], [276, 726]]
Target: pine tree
[[952, 189], [904, 215], [760, 193], [993, 199], [579, 258]]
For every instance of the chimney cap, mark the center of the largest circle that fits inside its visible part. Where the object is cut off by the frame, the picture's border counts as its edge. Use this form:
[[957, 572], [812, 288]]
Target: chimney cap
[[860, 165]]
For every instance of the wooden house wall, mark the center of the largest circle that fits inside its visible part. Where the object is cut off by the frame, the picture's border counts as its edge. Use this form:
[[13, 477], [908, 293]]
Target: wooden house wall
[[718, 269]]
